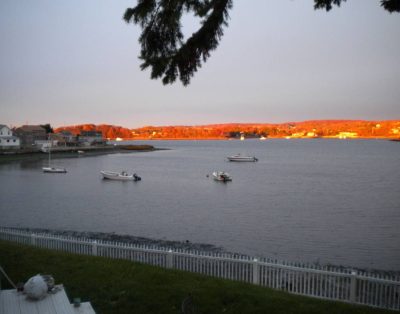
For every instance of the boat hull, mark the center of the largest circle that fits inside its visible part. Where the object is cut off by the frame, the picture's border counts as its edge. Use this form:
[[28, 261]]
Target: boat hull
[[54, 170], [221, 176], [242, 158], [118, 176]]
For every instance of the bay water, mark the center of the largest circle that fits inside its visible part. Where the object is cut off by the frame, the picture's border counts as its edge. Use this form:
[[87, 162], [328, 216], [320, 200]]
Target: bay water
[[309, 200]]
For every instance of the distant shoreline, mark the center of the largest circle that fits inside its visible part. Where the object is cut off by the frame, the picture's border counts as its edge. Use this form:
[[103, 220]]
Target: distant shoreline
[[256, 138], [73, 152], [302, 129]]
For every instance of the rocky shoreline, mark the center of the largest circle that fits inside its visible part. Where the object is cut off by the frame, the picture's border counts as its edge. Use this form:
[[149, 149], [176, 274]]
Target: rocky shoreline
[[184, 246], [75, 152], [78, 149], [113, 237]]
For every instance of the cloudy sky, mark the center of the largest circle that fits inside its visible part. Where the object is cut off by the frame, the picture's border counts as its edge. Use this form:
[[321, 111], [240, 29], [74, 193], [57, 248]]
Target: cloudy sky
[[72, 62]]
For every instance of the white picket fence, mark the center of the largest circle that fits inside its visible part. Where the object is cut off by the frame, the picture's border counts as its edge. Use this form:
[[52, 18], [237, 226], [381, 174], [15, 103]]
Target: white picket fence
[[325, 282]]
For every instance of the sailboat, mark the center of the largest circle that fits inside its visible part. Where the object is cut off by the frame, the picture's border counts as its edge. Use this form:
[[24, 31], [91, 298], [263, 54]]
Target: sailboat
[[51, 169]]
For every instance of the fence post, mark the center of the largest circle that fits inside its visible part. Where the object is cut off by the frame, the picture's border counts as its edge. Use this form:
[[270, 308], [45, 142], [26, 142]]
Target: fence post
[[256, 272], [170, 259], [33, 239], [94, 248], [353, 287]]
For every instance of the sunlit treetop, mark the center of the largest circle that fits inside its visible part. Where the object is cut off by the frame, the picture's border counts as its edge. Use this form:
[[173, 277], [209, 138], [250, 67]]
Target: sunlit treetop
[[163, 48]]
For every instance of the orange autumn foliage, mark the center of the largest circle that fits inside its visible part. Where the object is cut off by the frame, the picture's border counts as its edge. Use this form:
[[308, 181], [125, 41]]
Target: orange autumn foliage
[[108, 131], [315, 128]]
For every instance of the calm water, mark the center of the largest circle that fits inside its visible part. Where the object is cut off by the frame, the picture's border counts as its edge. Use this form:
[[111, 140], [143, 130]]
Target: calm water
[[327, 201]]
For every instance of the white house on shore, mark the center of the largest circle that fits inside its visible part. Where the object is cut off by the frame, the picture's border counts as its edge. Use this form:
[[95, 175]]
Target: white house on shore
[[7, 139]]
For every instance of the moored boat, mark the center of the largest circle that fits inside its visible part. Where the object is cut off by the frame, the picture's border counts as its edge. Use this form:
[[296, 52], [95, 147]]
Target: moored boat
[[239, 157], [51, 169], [54, 170], [121, 176], [221, 176]]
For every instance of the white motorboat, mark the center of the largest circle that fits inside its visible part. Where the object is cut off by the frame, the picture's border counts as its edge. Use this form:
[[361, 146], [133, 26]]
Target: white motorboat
[[54, 170], [121, 176], [221, 176], [239, 157]]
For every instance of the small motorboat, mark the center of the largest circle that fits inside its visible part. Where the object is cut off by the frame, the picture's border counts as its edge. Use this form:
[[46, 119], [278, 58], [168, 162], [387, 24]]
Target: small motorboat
[[221, 176], [54, 170], [239, 157], [121, 176]]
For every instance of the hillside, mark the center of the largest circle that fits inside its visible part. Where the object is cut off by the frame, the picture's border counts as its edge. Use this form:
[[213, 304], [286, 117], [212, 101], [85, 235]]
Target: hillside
[[108, 131], [304, 129]]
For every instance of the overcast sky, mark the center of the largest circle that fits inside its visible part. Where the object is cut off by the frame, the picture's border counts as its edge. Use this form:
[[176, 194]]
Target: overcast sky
[[72, 62]]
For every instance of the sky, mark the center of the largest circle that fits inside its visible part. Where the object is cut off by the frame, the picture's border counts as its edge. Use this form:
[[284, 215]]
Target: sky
[[74, 62]]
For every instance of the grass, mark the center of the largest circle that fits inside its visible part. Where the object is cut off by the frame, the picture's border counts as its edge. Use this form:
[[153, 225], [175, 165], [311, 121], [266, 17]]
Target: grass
[[119, 286]]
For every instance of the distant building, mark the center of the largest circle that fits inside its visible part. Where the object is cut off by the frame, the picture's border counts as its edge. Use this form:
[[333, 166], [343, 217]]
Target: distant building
[[7, 139], [298, 134], [57, 139], [31, 135], [68, 138], [91, 138], [53, 140], [344, 135]]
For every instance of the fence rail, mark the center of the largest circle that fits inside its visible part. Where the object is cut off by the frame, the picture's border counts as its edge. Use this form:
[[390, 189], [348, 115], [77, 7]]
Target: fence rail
[[325, 282]]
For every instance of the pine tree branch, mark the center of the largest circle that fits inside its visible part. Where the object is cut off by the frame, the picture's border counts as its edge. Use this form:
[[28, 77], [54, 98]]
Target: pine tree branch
[[163, 49]]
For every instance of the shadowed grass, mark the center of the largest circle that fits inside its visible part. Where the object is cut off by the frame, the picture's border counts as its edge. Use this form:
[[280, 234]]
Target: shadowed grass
[[119, 286]]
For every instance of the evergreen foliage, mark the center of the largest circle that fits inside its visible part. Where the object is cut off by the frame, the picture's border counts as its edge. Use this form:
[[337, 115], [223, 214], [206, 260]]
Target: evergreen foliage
[[389, 5], [47, 127], [163, 48]]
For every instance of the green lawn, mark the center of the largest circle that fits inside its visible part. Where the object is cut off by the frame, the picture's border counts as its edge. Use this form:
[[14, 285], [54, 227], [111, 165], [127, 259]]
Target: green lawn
[[118, 286]]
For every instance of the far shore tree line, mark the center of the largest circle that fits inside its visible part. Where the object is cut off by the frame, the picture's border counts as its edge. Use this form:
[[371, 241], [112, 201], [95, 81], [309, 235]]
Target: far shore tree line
[[329, 128]]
